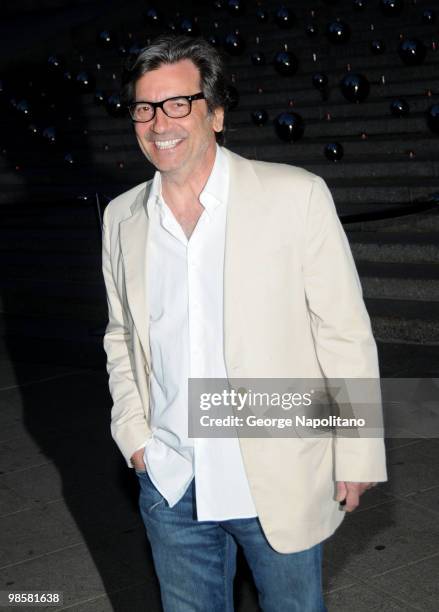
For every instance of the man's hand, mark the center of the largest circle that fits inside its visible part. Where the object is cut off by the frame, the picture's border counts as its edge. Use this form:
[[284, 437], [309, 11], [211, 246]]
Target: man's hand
[[137, 460], [349, 492]]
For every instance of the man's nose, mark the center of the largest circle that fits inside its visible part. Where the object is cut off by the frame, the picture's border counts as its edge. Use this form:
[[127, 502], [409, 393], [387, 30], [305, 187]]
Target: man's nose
[[160, 123]]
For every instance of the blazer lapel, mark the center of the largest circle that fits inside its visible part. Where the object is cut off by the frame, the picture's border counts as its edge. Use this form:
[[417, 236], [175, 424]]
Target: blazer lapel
[[245, 226], [134, 244]]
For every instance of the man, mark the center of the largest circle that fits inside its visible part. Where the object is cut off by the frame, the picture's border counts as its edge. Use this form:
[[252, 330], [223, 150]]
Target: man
[[224, 267]]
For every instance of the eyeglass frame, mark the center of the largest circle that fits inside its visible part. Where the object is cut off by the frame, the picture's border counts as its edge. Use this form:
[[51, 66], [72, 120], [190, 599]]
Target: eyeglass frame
[[155, 105]]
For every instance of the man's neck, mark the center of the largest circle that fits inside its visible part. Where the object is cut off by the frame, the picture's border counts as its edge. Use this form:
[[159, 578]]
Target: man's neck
[[182, 190]]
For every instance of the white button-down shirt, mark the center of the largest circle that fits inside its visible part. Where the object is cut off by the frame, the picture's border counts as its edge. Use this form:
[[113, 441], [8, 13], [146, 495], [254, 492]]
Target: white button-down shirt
[[185, 289]]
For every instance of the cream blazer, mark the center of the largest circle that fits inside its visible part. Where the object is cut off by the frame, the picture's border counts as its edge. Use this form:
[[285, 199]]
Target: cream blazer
[[293, 308]]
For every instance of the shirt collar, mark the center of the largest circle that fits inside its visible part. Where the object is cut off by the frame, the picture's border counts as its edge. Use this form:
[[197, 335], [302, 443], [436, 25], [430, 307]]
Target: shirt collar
[[215, 191]]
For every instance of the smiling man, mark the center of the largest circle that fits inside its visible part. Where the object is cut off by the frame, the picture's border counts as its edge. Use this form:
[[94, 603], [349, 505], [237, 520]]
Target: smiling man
[[224, 267]]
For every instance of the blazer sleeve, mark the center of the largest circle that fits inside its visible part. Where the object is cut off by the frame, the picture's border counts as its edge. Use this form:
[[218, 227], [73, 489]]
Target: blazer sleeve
[[129, 427], [342, 332]]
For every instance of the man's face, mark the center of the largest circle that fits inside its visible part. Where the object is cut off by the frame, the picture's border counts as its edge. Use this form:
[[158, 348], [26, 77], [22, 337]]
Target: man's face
[[185, 141]]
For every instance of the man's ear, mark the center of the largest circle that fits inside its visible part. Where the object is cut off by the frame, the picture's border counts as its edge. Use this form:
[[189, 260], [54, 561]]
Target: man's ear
[[218, 119]]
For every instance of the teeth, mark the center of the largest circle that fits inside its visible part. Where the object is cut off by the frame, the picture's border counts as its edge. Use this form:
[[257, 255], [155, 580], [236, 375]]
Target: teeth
[[166, 144]]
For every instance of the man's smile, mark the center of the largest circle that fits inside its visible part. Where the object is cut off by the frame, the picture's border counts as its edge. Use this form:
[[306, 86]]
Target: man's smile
[[167, 144]]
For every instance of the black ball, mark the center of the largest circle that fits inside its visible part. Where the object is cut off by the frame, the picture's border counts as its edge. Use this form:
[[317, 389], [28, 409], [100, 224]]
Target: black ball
[[286, 63], [85, 82], [257, 58], [262, 15], [54, 63], [99, 97], [214, 40], [320, 81], [107, 39], [284, 17], [311, 29], [433, 118], [289, 126], [377, 47], [399, 107], [355, 87], [412, 51], [114, 106], [391, 8], [359, 5], [232, 97], [234, 44], [23, 109], [69, 159], [218, 5], [428, 16], [338, 32], [33, 129], [153, 17], [333, 151], [122, 50], [259, 117], [236, 7], [189, 27], [134, 49], [49, 135]]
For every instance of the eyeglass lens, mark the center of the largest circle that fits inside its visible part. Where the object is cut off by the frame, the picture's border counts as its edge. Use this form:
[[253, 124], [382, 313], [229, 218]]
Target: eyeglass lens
[[177, 107]]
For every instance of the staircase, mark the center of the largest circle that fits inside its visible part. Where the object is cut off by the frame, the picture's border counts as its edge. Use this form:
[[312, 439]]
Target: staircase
[[52, 293]]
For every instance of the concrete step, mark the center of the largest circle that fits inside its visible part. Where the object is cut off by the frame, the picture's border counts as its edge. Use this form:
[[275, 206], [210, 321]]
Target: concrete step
[[52, 265], [70, 340], [78, 299], [400, 281], [396, 248], [404, 320]]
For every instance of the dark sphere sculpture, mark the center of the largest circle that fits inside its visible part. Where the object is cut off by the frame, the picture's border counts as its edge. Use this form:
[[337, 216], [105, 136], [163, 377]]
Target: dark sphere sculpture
[[428, 16], [360, 5], [338, 32], [114, 106], [355, 87], [189, 27], [232, 97], [333, 151], [433, 118], [311, 29], [214, 40], [84, 82], [236, 7], [153, 17], [99, 97], [134, 49], [106, 39], [261, 15], [320, 81], [49, 135], [54, 63], [286, 63], [399, 107], [391, 8], [284, 17], [289, 126], [412, 51], [377, 47], [234, 44], [23, 108], [218, 5], [259, 117], [257, 58]]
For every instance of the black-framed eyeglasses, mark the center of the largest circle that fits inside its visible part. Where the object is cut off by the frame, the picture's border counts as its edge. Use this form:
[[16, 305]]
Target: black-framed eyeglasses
[[175, 107]]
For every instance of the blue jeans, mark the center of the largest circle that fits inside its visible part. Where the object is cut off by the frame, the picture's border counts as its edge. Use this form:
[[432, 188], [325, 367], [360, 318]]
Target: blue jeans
[[195, 561]]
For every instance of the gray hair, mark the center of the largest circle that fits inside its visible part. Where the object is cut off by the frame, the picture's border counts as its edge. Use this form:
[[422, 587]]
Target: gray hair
[[170, 49]]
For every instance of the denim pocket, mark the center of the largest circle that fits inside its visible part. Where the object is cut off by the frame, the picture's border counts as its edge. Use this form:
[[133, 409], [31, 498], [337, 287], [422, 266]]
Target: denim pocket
[[150, 496]]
